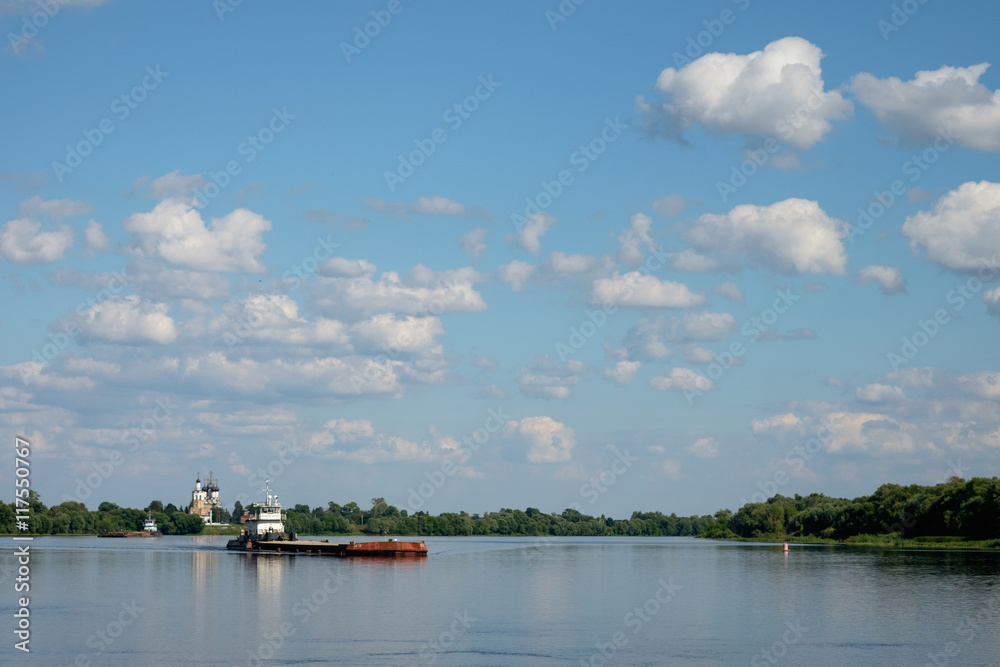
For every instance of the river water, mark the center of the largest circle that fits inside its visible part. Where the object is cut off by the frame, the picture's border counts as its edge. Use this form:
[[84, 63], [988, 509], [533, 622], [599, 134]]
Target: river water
[[506, 601]]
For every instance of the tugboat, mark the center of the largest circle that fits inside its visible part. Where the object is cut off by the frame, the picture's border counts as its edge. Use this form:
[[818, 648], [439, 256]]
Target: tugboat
[[265, 532], [148, 530]]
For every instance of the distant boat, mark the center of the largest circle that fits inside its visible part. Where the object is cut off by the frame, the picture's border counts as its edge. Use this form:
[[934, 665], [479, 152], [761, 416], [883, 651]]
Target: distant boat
[[265, 531], [148, 530]]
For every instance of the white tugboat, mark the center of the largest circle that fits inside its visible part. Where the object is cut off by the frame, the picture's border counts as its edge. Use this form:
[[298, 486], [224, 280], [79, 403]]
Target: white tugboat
[[264, 523]]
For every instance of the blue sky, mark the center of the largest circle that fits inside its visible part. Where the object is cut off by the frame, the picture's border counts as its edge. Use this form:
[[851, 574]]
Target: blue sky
[[348, 259]]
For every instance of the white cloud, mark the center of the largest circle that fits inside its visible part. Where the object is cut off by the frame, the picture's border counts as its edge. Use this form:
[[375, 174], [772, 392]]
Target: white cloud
[[673, 205], [421, 291], [474, 243], [56, 209], [887, 278], [690, 260], [339, 267], [985, 384], [174, 184], [547, 379], [961, 232], [359, 442], [777, 422], [635, 241], [548, 440], [407, 335], [95, 238], [992, 300], [792, 237], [707, 326], [777, 92], [729, 290], [682, 379], [529, 235], [949, 100], [641, 290], [435, 205], [516, 274], [646, 339], [23, 242], [175, 231], [622, 372], [128, 319], [704, 448], [880, 393]]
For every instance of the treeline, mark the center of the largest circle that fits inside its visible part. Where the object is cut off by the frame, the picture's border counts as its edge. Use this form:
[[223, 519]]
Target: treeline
[[73, 518], [388, 520], [957, 508]]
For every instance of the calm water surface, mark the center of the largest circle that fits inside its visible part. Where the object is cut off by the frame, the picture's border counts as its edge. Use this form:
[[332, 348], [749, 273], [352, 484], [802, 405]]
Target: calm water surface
[[507, 601]]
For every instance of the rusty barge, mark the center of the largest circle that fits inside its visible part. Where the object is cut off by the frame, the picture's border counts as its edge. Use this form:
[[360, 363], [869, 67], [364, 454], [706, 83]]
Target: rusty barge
[[265, 532]]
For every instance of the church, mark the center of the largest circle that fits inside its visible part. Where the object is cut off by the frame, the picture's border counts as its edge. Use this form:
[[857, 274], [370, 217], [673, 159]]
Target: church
[[205, 499]]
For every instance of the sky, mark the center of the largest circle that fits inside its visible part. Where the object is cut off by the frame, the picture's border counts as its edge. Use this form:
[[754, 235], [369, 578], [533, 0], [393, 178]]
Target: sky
[[464, 256]]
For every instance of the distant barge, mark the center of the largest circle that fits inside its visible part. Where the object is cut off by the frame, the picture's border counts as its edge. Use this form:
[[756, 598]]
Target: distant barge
[[148, 530], [265, 532]]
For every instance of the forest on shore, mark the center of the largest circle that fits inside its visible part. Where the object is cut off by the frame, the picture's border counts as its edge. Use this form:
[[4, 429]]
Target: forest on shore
[[954, 511]]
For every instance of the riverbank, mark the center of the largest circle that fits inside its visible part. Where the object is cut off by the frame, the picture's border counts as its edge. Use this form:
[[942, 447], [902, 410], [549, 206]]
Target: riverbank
[[889, 541]]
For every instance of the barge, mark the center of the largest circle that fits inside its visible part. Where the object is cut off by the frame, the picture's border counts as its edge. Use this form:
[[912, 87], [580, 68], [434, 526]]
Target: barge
[[265, 533], [148, 530]]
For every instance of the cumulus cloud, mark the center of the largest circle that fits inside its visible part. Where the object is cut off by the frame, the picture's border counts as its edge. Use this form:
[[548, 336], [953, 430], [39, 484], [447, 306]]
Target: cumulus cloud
[[95, 238], [880, 393], [436, 205], [948, 101], [641, 290], [474, 243], [961, 232], [646, 339], [421, 291], [23, 242], [516, 274], [682, 379], [673, 205], [175, 231], [529, 235], [777, 92], [547, 440], [992, 300], [128, 319], [704, 448], [792, 237], [174, 184], [635, 241], [886, 277], [985, 384], [57, 209], [707, 326], [729, 290], [359, 442], [622, 372], [547, 379]]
